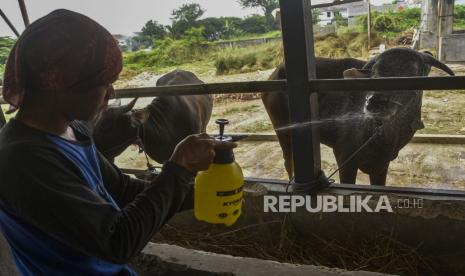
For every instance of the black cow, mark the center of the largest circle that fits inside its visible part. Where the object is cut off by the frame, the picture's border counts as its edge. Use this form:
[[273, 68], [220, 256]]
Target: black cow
[[161, 125], [394, 115], [277, 104]]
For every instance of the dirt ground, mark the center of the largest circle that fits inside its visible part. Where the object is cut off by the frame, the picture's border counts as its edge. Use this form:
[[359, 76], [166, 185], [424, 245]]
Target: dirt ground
[[418, 165]]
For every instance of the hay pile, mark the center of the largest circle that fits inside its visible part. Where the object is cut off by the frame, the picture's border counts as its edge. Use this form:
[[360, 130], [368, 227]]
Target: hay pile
[[347, 44], [277, 241], [406, 37]]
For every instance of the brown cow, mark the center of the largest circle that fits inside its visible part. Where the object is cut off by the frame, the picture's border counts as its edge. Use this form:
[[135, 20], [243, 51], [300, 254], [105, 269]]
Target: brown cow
[[161, 125]]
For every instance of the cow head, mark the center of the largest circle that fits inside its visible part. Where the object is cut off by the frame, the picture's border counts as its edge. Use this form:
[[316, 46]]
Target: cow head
[[117, 127], [397, 62]]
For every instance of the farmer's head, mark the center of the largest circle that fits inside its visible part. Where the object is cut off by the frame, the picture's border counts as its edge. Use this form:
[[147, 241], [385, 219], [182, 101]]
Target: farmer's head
[[64, 61]]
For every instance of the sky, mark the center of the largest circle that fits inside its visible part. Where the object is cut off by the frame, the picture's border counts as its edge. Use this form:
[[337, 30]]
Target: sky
[[123, 16]]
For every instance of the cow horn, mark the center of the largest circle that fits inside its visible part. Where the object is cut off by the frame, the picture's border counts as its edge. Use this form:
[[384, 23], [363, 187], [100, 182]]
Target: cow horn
[[130, 105], [124, 108], [436, 63]]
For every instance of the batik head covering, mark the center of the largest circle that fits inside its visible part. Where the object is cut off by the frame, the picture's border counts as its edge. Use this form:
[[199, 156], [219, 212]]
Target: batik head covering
[[59, 52]]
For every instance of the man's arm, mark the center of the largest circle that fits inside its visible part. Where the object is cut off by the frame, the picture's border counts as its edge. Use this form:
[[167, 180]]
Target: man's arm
[[44, 189], [124, 188], [121, 187]]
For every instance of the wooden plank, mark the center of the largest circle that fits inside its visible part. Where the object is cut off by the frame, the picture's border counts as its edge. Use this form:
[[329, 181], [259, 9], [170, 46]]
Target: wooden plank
[[439, 139], [417, 139]]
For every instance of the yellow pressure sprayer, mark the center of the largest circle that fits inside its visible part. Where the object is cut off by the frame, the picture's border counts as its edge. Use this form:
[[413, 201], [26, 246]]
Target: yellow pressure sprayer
[[218, 190]]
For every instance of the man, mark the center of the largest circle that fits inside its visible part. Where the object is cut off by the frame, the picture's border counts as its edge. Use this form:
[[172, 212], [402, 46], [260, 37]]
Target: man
[[64, 209]]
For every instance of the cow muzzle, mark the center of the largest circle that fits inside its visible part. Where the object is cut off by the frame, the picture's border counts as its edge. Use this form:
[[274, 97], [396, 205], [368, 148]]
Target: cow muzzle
[[381, 106]]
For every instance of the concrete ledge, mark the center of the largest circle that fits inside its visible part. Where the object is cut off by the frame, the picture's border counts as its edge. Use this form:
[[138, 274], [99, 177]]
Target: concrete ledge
[[176, 260]]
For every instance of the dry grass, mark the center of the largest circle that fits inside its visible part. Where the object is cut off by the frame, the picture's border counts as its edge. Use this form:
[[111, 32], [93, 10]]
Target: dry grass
[[278, 240]]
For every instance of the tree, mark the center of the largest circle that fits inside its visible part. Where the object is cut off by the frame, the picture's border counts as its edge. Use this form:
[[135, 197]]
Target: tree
[[154, 29], [255, 24], [267, 6], [139, 41], [187, 12], [213, 28], [231, 26], [340, 20], [316, 16], [184, 18], [6, 44]]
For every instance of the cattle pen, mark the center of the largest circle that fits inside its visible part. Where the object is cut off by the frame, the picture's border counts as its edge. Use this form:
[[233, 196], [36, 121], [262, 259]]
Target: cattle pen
[[434, 232]]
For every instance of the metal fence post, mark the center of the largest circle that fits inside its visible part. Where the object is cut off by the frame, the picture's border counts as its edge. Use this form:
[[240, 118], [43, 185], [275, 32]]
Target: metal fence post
[[300, 67], [2, 118]]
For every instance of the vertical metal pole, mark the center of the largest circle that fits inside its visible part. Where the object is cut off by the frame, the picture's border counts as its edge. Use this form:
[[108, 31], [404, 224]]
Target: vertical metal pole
[[439, 29], [2, 118], [22, 6], [299, 59], [8, 22], [369, 25]]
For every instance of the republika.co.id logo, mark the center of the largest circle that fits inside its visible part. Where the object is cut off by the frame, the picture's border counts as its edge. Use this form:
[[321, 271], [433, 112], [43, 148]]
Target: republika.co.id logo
[[340, 203]]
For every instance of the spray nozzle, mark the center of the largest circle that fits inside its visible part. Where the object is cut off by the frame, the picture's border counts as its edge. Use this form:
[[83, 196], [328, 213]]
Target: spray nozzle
[[221, 123]]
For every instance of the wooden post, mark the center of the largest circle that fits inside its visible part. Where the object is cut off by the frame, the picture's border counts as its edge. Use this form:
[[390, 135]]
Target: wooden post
[[300, 66]]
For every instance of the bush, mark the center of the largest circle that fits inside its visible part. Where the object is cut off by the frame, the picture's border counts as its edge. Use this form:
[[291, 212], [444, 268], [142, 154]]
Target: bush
[[169, 51], [459, 17], [255, 24], [384, 23], [6, 44], [252, 58], [392, 22]]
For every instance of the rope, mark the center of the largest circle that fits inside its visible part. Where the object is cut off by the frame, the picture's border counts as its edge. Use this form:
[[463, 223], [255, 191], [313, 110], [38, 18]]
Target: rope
[[322, 181], [140, 143], [376, 133]]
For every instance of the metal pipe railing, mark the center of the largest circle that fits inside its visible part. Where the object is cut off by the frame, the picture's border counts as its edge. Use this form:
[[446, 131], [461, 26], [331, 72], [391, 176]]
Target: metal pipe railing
[[320, 85]]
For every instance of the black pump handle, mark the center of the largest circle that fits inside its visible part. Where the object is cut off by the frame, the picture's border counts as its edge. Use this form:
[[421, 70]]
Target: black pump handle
[[222, 123]]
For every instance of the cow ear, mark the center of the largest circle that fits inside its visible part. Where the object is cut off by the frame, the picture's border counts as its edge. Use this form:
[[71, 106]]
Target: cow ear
[[355, 73], [141, 115]]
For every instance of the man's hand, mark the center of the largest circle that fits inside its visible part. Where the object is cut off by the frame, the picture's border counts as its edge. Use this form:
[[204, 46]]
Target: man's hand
[[196, 152]]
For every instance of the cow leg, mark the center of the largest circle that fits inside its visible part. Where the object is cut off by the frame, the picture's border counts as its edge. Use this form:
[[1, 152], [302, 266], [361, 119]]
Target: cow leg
[[379, 178], [276, 106], [348, 173], [285, 143]]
